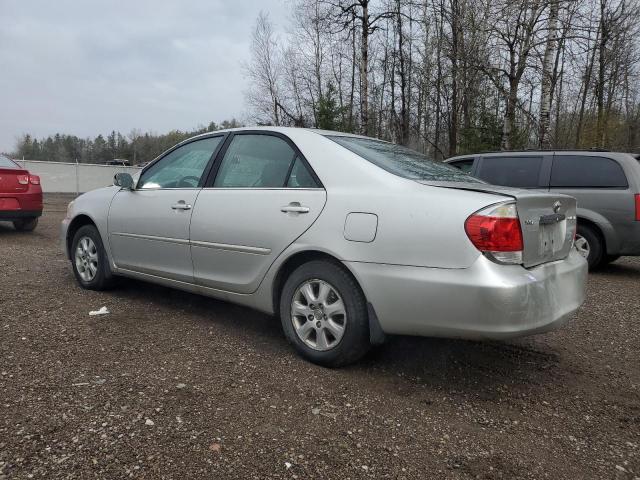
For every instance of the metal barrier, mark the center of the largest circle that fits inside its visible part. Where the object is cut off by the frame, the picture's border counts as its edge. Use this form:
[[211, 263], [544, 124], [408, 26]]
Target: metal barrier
[[76, 178]]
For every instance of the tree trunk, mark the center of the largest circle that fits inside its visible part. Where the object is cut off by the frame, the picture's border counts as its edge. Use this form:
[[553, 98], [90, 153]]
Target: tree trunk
[[404, 113], [455, 35], [602, 53], [585, 91], [510, 115], [364, 69], [547, 76], [353, 80]]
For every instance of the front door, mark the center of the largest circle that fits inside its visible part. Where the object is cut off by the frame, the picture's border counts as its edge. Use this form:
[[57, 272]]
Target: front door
[[263, 198], [149, 226]]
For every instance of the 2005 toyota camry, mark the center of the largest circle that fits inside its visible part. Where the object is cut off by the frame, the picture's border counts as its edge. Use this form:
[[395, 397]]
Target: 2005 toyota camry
[[346, 238]]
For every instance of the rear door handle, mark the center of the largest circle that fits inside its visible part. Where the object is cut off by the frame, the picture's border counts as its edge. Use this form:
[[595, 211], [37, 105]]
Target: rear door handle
[[181, 205], [294, 207]]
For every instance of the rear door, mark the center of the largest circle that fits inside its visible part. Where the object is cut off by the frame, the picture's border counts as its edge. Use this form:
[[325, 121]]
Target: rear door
[[149, 226], [262, 196]]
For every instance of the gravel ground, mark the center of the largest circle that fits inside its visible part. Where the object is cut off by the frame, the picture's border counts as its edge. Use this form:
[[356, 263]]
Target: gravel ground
[[176, 385]]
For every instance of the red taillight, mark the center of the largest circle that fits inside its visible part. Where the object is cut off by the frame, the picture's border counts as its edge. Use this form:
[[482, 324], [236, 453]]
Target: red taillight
[[496, 231], [494, 234], [34, 179], [23, 179], [638, 207]]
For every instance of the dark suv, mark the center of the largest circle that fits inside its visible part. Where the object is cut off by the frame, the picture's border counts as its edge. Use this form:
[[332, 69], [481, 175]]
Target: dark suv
[[606, 185]]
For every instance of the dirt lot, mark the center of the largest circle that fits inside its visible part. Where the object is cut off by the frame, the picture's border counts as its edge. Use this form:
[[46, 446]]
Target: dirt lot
[[174, 385]]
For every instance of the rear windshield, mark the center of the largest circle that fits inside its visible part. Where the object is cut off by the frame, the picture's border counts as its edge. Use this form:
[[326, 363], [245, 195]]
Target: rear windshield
[[6, 163], [402, 161]]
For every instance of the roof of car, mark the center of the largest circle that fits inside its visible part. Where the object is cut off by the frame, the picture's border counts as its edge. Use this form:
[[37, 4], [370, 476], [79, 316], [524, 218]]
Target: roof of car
[[585, 152], [284, 130]]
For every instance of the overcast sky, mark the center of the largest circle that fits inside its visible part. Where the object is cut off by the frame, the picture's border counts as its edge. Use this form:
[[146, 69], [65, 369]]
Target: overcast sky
[[86, 67]]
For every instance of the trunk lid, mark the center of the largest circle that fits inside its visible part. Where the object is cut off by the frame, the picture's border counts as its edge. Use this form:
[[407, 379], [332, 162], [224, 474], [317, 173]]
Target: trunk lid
[[548, 221], [9, 180]]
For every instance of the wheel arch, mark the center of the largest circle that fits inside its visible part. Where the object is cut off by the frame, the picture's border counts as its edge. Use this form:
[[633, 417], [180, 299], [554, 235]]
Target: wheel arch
[[376, 334], [603, 227], [596, 229], [78, 222], [293, 262]]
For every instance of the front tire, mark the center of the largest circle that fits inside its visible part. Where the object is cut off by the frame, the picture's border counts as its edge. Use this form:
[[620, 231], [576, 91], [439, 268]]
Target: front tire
[[89, 260], [589, 244], [26, 224], [324, 314]]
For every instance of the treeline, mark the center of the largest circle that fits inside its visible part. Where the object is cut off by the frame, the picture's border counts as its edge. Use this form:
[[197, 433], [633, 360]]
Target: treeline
[[137, 147], [455, 76]]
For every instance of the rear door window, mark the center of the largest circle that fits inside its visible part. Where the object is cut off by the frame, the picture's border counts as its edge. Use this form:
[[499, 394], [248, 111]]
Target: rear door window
[[578, 171], [300, 177], [255, 161], [516, 171]]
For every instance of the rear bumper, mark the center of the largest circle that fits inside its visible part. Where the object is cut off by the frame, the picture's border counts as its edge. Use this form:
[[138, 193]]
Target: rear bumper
[[18, 214], [486, 300], [17, 205]]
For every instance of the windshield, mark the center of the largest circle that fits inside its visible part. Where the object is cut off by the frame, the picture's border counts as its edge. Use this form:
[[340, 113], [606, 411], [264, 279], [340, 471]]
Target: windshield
[[402, 161], [6, 163]]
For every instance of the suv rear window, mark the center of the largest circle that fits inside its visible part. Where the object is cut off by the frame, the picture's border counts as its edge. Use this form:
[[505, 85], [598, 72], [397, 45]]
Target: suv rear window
[[402, 161], [576, 171], [5, 162], [520, 171]]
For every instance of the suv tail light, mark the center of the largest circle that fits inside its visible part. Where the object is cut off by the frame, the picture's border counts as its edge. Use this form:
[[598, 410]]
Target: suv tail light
[[638, 207], [34, 179], [23, 179], [496, 231]]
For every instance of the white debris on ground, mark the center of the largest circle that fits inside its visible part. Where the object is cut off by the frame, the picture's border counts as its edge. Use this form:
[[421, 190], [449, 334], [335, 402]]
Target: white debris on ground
[[103, 311]]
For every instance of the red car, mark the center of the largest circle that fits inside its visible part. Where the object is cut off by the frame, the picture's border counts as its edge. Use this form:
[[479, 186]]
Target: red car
[[20, 196]]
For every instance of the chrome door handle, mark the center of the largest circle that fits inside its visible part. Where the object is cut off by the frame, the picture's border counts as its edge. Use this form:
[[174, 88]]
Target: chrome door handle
[[181, 206], [294, 207]]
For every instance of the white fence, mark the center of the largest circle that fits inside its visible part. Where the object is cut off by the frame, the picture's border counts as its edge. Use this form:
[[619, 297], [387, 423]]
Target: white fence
[[74, 177]]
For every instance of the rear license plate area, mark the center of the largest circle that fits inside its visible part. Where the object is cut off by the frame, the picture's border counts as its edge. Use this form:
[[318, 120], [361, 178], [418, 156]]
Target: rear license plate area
[[551, 239], [9, 204]]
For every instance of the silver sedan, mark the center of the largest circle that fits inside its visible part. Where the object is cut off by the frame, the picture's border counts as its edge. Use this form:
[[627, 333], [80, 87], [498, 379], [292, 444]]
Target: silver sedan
[[346, 238]]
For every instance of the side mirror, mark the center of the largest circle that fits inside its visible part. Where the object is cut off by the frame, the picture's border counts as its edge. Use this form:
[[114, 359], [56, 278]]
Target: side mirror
[[123, 180]]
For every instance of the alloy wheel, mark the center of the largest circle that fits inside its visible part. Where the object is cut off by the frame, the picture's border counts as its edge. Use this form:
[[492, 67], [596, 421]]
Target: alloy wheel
[[86, 259], [582, 245], [318, 314]]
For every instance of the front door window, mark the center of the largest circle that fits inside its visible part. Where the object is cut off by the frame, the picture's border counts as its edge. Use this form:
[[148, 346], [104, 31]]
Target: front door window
[[182, 167]]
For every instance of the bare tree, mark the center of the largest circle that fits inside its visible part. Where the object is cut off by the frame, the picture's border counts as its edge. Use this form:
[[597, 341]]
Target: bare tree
[[455, 76], [547, 74], [263, 72]]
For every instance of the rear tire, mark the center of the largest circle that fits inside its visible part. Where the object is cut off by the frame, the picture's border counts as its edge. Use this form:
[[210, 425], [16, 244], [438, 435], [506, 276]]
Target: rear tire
[[324, 314], [89, 260], [589, 244], [26, 224]]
